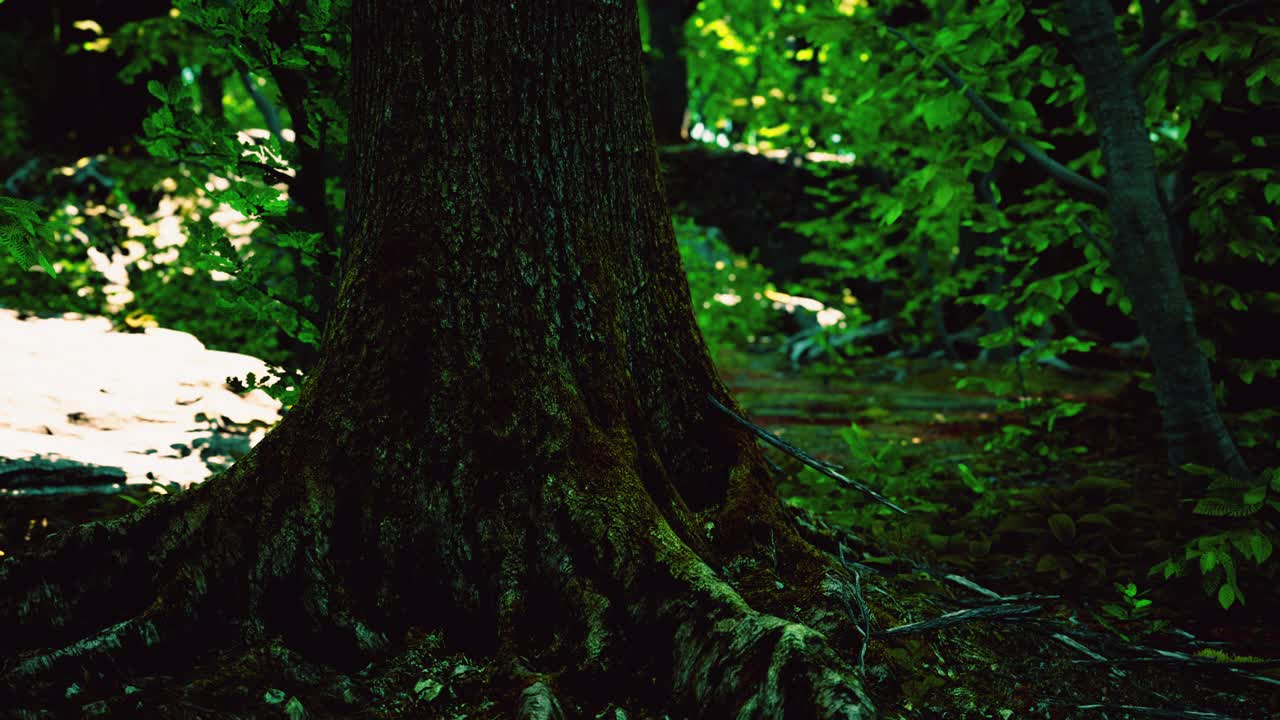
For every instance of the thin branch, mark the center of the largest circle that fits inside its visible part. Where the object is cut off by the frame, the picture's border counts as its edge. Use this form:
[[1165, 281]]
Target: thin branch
[[303, 311], [1151, 22], [269, 114], [823, 467], [1166, 657], [1056, 170], [279, 176], [1093, 238], [1080, 648], [1156, 712]]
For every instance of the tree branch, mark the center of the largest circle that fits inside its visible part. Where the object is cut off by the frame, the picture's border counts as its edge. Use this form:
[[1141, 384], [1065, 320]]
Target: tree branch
[[1152, 28], [1056, 170]]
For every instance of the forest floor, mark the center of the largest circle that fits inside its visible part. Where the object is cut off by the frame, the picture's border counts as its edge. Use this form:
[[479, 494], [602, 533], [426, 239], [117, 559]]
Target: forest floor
[[1053, 532], [1017, 586]]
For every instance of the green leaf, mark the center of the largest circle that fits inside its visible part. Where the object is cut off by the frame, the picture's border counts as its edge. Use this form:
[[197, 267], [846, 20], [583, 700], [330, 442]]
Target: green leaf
[[971, 481], [1226, 596], [944, 196], [1261, 546], [157, 90], [1208, 562], [893, 213], [19, 224], [1049, 563], [1272, 192], [1062, 527], [130, 499]]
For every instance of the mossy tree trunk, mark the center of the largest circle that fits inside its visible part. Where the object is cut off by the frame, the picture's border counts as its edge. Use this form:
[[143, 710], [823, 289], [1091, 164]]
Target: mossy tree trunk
[[1144, 256], [508, 436]]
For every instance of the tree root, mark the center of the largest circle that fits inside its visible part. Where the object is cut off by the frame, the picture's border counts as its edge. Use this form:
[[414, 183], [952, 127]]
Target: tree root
[[758, 666], [537, 702], [598, 588], [98, 652]]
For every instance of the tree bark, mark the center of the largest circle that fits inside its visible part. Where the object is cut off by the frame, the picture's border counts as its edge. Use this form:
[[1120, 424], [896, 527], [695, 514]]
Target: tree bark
[[1144, 258], [507, 437]]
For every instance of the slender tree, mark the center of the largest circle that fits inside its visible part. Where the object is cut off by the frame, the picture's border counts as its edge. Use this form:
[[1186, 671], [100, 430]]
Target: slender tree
[[1144, 257], [667, 69], [509, 436]]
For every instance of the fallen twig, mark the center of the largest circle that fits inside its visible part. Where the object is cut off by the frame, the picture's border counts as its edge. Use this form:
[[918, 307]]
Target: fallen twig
[[1169, 657], [997, 611], [821, 466], [857, 609], [1156, 712], [1080, 648]]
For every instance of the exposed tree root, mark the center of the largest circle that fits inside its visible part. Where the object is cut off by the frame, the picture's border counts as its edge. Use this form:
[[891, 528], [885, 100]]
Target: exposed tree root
[[592, 586], [537, 702]]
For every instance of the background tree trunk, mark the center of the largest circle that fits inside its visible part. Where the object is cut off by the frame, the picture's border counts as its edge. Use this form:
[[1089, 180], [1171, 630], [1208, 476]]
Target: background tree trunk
[[1144, 257], [667, 69], [507, 437], [60, 103]]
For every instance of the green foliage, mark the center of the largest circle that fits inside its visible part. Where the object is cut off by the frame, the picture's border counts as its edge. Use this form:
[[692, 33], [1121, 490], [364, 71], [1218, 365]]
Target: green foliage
[[1131, 611], [291, 65], [829, 77], [1220, 555], [727, 290], [21, 224], [1040, 413], [878, 463]]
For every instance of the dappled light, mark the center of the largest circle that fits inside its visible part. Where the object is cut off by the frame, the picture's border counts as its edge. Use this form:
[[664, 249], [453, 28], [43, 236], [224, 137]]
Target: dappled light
[[659, 359]]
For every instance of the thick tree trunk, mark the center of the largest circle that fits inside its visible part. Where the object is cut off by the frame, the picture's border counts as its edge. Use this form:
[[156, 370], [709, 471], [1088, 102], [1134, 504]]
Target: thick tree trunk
[[1144, 258], [508, 436]]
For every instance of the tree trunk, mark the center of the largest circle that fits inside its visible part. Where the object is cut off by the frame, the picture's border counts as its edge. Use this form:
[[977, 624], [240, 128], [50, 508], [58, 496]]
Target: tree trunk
[[1144, 258], [508, 436], [667, 69]]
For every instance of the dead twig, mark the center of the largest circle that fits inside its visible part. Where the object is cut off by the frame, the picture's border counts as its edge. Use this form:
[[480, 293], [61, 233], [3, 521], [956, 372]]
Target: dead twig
[[998, 611], [856, 606], [826, 468], [1169, 657], [1080, 648], [1175, 714]]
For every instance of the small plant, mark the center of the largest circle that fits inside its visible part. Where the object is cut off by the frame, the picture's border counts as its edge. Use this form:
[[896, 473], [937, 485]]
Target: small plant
[[1132, 608], [1220, 556], [879, 463], [1035, 435], [1132, 604]]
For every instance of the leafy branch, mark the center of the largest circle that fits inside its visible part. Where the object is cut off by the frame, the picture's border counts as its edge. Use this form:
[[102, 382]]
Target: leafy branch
[[1056, 170]]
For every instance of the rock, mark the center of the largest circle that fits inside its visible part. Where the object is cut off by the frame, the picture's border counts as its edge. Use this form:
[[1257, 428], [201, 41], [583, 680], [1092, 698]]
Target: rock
[[81, 404]]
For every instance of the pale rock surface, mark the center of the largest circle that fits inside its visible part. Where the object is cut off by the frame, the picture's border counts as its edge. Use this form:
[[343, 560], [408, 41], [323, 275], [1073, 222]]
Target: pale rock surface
[[75, 393]]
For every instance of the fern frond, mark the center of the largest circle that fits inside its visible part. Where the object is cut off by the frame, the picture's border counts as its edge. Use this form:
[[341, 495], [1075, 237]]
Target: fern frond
[[1217, 507], [19, 221]]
